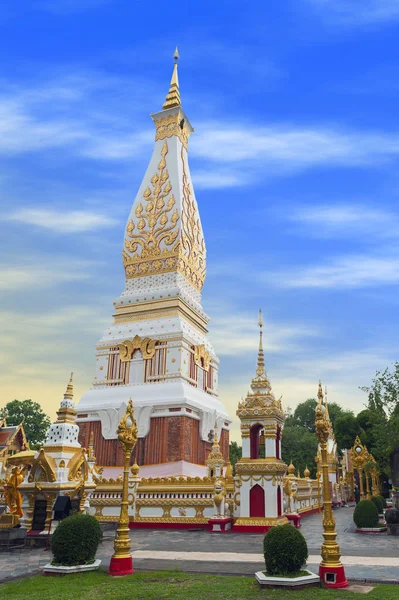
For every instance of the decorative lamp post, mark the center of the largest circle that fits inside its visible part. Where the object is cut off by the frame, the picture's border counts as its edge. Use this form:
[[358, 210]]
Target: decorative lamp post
[[360, 456], [121, 561], [331, 569]]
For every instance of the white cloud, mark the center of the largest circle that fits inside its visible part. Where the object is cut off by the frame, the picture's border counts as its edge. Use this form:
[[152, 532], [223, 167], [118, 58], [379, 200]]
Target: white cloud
[[342, 220], [36, 275], [238, 333], [358, 12], [217, 179], [82, 115], [74, 221], [291, 147], [342, 272]]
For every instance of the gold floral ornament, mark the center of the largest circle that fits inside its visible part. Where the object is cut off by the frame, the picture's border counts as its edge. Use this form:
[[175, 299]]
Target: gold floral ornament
[[156, 227], [156, 244], [202, 357], [145, 345]]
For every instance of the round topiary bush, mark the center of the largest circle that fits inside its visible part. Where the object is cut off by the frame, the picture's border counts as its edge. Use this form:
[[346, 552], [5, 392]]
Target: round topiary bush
[[285, 550], [384, 502], [378, 503], [366, 514], [75, 541]]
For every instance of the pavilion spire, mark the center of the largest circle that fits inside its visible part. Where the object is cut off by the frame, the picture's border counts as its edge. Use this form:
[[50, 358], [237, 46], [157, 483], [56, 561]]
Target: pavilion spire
[[69, 390], [173, 96]]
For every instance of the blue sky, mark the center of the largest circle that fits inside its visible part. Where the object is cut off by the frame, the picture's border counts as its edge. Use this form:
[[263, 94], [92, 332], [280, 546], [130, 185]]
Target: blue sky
[[294, 162]]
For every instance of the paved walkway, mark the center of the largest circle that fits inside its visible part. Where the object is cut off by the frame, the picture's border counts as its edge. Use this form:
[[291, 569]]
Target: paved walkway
[[366, 558]]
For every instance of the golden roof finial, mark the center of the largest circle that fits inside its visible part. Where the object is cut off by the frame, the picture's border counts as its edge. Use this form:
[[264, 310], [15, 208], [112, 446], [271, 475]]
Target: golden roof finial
[[306, 472], [326, 403], [261, 357], [320, 394], [173, 96], [69, 390]]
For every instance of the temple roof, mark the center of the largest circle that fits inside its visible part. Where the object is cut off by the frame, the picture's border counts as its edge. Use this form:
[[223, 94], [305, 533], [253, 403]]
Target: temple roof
[[9, 433]]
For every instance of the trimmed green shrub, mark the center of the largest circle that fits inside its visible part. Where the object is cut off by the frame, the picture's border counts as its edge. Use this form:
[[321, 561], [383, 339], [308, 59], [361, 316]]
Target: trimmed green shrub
[[285, 550], [75, 541], [378, 503], [384, 502], [366, 514], [392, 516]]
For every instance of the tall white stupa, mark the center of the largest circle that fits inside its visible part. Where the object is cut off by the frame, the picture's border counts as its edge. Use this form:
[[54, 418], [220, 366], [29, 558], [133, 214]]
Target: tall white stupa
[[156, 351]]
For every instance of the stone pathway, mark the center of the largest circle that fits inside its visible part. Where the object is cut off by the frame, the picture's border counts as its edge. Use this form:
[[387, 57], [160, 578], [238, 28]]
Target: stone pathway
[[366, 558]]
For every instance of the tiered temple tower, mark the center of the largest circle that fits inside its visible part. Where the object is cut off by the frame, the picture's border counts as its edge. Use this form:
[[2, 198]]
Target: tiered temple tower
[[157, 351], [260, 470]]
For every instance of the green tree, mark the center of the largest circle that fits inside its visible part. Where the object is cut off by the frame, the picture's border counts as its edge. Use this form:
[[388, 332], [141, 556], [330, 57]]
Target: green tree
[[346, 429], [380, 421], [304, 415], [235, 454], [336, 411], [35, 420], [299, 445], [383, 393]]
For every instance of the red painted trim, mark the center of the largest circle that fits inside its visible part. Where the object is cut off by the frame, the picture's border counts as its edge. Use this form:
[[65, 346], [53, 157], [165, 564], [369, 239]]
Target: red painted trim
[[222, 522], [340, 578], [121, 566], [160, 525], [251, 528]]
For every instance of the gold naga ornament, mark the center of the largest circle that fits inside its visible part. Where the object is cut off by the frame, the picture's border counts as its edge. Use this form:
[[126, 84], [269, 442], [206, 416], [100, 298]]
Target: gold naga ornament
[[121, 561], [331, 569]]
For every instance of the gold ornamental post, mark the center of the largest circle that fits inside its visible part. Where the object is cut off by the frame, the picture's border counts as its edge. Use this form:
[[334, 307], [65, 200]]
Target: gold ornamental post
[[331, 569], [121, 561], [359, 456]]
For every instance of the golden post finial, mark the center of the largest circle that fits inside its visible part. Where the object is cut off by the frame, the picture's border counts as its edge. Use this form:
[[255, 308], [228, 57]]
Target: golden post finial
[[320, 394], [91, 452], [173, 96], [215, 435], [69, 390]]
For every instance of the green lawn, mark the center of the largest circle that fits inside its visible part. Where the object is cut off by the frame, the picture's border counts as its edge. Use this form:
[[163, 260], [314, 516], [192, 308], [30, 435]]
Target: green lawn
[[169, 584]]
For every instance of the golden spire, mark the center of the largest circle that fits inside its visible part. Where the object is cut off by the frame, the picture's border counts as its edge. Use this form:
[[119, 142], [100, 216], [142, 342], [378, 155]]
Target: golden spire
[[173, 97], [69, 391], [216, 437], [326, 403], [306, 472], [291, 469], [320, 394], [261, 380]]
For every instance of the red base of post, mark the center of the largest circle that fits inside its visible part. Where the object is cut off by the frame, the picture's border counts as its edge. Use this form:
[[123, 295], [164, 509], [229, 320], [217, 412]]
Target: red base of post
[[339, 581], [121, 566]]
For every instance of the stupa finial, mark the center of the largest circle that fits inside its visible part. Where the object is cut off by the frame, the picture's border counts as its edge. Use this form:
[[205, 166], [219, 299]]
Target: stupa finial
[[69, 390], [173, 96]]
